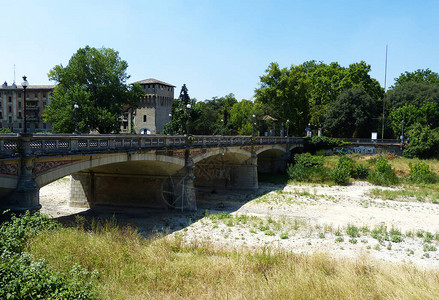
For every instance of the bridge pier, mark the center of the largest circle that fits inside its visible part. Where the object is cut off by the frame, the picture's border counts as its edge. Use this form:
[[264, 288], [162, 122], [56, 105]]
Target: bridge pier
[[92, 189], [26, 194]]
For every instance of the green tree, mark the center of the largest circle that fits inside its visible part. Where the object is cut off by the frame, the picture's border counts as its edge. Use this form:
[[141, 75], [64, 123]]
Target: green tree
[[352, 114], [241, 117], [95, 80], [412, 93], [284, 92], [424, 142], [420, 75], [409, 115], [183, 114]]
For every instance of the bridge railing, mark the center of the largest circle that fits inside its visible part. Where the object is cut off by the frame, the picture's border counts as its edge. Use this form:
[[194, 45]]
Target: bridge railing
[[8, 145], [370, 141], [64, 143]]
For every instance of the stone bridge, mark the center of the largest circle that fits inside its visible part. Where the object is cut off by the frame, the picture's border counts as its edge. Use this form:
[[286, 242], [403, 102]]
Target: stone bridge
[[135, 170]]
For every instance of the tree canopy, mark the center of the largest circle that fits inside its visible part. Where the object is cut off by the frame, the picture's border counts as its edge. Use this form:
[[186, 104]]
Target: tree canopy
[[96, 81], [304, 93], [352, 114], [420, 75]]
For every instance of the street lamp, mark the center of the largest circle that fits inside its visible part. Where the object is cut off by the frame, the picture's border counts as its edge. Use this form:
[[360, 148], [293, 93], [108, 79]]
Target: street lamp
[[222, 126], [188, 106], [25, 84], [170, 123], [288, 123], [75, 107], [254, 125]]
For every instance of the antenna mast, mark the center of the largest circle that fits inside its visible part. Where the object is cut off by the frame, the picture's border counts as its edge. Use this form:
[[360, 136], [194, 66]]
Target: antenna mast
[[384, 98], [14, 73]]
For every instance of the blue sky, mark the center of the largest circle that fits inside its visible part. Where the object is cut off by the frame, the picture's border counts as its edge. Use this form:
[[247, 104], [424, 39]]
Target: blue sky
[[218, 47]]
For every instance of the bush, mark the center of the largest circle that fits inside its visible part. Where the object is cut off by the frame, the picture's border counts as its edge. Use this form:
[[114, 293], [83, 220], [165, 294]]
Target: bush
[[420, 173], [360, 172], [383, 174], [308, 160], [424, 142], [308, 168], [343, 170], [21, 277], [5, 130], [308, 174]]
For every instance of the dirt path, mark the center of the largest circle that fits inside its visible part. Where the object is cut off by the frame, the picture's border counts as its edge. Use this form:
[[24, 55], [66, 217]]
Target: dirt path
[[299, 218]]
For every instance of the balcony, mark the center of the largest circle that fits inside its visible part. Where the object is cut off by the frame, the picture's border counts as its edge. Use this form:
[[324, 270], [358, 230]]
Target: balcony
[[33, 118], [32, 107]]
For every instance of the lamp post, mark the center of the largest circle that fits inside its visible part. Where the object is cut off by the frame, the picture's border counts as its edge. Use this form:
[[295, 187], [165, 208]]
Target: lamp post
[[75, 107], [25, 85], [288, 123], [170, 123], [188, 106], [254, 125]]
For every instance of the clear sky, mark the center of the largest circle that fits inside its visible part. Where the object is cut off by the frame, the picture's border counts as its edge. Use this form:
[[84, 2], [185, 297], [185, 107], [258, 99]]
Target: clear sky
[[218, 47]]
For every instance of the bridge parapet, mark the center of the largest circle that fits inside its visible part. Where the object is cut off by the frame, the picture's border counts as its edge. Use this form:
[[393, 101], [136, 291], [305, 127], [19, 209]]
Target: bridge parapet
[[66, 144]]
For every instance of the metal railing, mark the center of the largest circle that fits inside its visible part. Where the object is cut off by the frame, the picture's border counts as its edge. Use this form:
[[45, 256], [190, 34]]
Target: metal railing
[[66, 143], [370, 141]]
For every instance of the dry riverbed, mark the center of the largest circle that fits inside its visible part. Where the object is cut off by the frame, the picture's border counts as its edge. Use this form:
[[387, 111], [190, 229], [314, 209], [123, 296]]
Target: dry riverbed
[[346, 221]]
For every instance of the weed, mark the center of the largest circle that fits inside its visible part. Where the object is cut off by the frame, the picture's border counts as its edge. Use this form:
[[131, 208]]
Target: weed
[[428, 247], [353, 241], [269, 232], [284, 235], [339, 239], [352, 231]]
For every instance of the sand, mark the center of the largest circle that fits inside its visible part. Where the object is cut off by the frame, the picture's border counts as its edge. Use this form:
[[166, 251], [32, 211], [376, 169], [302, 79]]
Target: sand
[[301, 218]]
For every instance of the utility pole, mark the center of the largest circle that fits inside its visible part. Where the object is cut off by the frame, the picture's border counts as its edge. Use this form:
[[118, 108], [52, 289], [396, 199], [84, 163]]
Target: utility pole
[[384, 98]]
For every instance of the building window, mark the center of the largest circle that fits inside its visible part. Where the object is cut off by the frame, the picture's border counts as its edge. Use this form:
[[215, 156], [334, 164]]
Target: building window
[[10, 109], [19, 125], [10, 99], [19, 95], [144, 118], [19, 104], [19, 114]]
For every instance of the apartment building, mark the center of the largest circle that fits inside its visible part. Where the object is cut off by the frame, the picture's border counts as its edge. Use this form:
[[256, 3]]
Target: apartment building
[[12, 107]]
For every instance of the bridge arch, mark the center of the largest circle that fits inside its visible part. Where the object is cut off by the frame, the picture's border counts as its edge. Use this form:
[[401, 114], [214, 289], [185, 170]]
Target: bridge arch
[[238, 153], [225, 168], [274, 148], [91, 162], [272, 159]]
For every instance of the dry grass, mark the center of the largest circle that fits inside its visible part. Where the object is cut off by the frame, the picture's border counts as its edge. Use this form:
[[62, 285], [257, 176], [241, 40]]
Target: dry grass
[[131, 267]]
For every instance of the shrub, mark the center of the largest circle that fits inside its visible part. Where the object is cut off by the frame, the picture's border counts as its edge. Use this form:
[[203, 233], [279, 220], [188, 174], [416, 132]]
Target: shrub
[[343, 169], [383, 174], [424, 142], [5, 130], [21, 277], [420, 173], [360, 172], [309, 160], [308, 168], [309, 174]]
